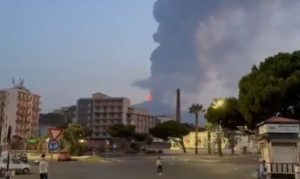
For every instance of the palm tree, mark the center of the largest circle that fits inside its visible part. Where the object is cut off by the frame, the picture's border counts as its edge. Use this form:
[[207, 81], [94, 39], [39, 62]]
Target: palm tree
[[196, 109], [208, 127], [40, 141]]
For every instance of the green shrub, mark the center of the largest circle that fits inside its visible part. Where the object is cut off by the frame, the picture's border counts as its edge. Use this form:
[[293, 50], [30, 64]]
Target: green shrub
[[134, 146], [102, 149], [78, 149]]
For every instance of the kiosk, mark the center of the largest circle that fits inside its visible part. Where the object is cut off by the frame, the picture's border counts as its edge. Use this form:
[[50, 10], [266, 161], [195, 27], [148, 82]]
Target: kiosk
[[278, 141]]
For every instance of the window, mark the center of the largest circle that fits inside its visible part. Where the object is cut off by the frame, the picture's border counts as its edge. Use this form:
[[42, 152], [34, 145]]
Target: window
[[15, 160]]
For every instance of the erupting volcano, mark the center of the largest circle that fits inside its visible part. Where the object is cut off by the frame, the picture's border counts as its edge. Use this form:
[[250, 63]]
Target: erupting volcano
[[149, 98]]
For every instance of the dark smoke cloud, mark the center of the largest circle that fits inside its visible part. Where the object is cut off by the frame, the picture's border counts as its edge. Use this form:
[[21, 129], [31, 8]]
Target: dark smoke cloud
[[205, 45]]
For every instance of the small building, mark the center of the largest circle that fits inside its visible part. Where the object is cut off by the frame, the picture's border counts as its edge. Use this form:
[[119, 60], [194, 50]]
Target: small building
[[278, 142]]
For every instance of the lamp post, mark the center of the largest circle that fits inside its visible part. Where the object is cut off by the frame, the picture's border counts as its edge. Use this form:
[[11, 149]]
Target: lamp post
[[8, 140], [218, 104]]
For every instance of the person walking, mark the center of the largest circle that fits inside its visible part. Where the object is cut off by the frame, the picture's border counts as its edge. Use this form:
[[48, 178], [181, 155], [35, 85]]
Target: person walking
[[263, 170], [43, 166], [159, 166]]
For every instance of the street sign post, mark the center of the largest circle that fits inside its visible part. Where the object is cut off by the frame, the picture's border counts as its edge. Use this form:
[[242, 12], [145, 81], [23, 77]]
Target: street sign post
[[114, 146], [53, 144], [54, 133], [107, 145]]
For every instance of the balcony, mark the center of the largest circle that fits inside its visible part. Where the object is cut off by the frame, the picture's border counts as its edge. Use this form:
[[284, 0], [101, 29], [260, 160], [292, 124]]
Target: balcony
[[25, 98], [21, 130], [24, 106], [23, 113], [19, 121], [36, 108]]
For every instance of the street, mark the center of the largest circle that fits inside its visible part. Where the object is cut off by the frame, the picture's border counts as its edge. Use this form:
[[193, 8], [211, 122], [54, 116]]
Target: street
[[146, 169]]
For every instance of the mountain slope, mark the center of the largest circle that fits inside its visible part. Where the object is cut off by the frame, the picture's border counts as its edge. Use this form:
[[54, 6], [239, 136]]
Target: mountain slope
[[157, 108]]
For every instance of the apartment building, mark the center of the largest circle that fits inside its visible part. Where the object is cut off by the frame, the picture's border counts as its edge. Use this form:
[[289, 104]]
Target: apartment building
[[100, 111], [141, 119], [19, 109], [68, 113], [84, 111]]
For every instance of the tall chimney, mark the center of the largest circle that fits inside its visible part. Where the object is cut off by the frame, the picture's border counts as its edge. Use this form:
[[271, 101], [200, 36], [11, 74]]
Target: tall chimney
[[178, 110]]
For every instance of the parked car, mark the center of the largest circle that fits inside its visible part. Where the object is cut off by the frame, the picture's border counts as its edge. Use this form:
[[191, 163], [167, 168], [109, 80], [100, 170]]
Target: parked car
[[15, 164], [64, 156]]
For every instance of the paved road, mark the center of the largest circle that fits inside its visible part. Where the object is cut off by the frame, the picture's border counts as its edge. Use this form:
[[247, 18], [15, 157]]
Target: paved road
[[129, 169]]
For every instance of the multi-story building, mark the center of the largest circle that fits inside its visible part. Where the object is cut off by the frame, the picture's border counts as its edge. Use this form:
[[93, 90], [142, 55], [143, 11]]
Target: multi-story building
[[84, 111], [19, 109], [101, 111], [68, 113], [141, 119]]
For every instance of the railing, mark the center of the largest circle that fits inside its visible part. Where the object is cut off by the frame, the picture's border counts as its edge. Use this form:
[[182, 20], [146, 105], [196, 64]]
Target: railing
[[281, 168]]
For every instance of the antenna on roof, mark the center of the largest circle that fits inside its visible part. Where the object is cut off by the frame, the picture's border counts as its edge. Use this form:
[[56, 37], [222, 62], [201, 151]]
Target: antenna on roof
[[13, 82]]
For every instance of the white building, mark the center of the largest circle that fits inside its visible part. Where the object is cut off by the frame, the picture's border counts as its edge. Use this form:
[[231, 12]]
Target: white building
[[165, 118], [19, 108]]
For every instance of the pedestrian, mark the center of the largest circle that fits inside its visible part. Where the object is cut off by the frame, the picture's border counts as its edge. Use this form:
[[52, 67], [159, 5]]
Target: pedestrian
[[159, 166], [263, 170], [43, 166]]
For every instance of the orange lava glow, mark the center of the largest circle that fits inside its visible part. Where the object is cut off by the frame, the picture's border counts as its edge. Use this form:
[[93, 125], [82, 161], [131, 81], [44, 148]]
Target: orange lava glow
[[149, 98]]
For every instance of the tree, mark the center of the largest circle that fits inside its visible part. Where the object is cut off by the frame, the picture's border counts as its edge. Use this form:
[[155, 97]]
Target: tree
[[40, 141], [208, 128], [271, 88], [170, 130], [52, 119], [74, 133], [140, 137], [122, 131], [149, 140], [227, 115], [16, 142], [196, 109]]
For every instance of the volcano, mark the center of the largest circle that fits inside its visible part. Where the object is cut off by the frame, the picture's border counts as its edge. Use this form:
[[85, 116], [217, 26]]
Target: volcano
[[157, 108]]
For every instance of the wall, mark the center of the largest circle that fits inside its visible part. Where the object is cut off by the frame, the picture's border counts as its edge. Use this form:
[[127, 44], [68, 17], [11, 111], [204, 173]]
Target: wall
[[189, 141], [10, 112]]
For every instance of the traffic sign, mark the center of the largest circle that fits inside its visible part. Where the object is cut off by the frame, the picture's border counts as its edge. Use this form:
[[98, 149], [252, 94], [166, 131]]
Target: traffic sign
[[115, 146], [54, 133], [53, 145]]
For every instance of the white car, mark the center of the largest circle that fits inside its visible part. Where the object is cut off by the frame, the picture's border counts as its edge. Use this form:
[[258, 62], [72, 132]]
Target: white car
[[15, 164]]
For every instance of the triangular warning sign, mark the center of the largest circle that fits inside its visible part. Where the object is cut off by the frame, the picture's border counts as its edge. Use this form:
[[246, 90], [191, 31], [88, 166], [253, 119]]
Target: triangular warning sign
[[54, 133]]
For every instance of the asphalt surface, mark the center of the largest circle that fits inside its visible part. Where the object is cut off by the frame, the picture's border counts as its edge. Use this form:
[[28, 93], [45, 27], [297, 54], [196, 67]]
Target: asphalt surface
[[145, 168]]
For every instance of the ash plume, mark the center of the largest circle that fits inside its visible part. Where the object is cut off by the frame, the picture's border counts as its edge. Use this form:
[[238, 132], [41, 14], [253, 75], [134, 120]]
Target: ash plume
[[204, 47]]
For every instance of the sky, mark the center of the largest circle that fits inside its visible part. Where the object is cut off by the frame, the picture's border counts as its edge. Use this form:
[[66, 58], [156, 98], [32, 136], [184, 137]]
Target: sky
[[73, 48]]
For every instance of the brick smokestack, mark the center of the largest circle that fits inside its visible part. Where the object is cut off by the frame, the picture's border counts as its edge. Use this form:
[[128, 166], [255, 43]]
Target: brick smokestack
[[178, 110]]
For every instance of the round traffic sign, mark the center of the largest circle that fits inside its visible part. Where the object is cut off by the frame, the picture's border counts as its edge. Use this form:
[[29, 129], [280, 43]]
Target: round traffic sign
[[53, 145]]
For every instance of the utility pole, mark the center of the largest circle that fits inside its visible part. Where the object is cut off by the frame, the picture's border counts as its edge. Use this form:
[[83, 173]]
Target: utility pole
[[8, 138]]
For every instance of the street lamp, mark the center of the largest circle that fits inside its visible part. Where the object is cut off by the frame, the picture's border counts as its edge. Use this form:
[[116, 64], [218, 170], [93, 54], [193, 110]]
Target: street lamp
[[216, 105]]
